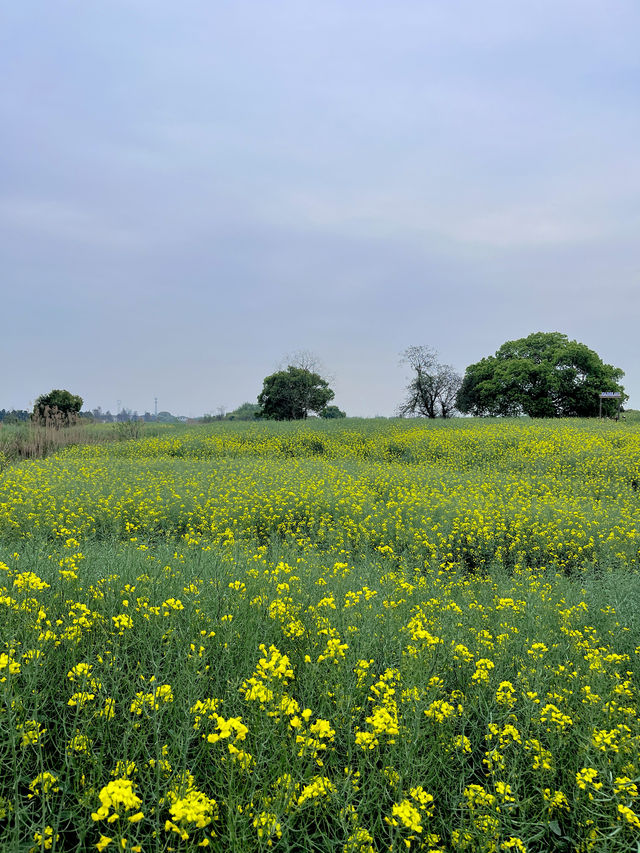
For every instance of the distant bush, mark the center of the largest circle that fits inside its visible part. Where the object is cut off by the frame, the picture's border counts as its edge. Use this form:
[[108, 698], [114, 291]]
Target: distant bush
[[332, 412], [245, 412]]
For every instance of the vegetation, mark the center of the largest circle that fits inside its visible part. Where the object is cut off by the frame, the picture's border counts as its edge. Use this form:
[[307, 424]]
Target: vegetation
[[14, 416], [245, 412], [57, 408], [31, 440], [543, 375], [292, 394], [333, 635], [332, 412], [433, 387]]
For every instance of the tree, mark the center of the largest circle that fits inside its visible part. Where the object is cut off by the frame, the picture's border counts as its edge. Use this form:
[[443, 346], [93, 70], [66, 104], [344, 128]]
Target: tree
[[332, 412], [544, 375], [14, 416], [304, 359], [57, 408], [245, 412], [433, 387], [292, 393]]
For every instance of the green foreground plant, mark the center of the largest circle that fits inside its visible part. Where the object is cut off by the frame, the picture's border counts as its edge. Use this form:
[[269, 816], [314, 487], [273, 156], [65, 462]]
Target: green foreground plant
[[301, 676]]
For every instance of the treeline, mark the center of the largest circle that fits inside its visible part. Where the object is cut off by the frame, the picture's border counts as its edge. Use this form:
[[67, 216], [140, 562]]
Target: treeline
[[543, 375], [14, 416]]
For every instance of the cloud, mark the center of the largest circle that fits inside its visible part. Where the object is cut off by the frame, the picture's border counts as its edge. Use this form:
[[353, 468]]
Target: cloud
[[37, 218], [223, 183]]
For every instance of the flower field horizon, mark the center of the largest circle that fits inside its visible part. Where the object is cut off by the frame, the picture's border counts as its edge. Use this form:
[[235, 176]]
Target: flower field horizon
[[356, 636]]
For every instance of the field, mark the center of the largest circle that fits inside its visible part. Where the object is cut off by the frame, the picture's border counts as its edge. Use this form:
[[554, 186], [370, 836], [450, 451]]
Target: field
[[347, 636]]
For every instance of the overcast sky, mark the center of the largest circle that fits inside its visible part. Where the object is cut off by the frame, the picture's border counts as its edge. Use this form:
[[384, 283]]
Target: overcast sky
[[191, 190]]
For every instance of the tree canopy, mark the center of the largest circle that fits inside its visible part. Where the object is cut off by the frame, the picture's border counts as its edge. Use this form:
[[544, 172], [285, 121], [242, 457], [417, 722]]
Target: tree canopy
[[330, 412], [543, 375], [59, 407], [293, 393], [245, 412]]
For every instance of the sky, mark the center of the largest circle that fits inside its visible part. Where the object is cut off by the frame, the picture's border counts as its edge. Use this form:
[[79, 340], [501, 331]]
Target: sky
[[191, 191]]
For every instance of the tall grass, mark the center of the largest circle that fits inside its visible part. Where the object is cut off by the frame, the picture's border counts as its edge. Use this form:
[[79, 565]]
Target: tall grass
[[35, 441]]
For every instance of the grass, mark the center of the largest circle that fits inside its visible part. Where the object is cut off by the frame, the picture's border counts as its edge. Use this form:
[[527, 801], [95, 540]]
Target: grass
[[226, 637], [32, 441]]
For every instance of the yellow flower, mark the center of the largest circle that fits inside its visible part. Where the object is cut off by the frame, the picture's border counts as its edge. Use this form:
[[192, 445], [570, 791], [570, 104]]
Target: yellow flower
[[29, 581], [629, 815], [483, 667], [405, 814], [359, 841], [624, 786], [116, 795], [505, 694], [586, 777], [319, 787], [553, 717], [161, 694], [45, 839], [193, 808], [32, 733], [43, 784], [441, 710], [514, 843], [367, 740], [267, 825]]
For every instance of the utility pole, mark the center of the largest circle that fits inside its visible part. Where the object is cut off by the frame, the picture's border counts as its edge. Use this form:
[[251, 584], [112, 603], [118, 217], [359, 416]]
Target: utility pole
[[155, 400]]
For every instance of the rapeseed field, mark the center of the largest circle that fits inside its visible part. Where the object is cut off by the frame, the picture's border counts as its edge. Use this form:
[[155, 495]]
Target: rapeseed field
[[358, 637]]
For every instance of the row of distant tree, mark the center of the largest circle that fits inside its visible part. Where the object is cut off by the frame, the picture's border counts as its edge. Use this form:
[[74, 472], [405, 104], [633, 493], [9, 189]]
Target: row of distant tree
[[542, 375], [61, 406], [14, 416], [126, 415]]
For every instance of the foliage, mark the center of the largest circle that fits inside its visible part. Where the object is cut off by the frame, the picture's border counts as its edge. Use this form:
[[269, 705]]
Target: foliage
[[245, 412], [496, 494], [330, 412], [432, 390], [543, 375], [57, 408], [274, 651], [292, 394], [35, 441], [130, 429], [14, 416]]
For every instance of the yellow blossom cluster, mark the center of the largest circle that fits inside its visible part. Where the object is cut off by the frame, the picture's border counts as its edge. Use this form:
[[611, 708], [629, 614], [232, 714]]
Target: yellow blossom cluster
[[393, 636]]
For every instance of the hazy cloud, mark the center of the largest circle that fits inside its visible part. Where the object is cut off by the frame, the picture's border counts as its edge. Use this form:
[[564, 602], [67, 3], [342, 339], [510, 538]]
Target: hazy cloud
[[186, 194]]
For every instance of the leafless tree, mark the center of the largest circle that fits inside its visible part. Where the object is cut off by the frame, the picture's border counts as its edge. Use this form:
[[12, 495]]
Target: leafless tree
[[431, 393], [306, 360]]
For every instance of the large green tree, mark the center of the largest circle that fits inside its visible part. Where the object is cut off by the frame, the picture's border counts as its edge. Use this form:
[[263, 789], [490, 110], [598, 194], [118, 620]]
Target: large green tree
[[544, 375], [293, 393], [58, 407]]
